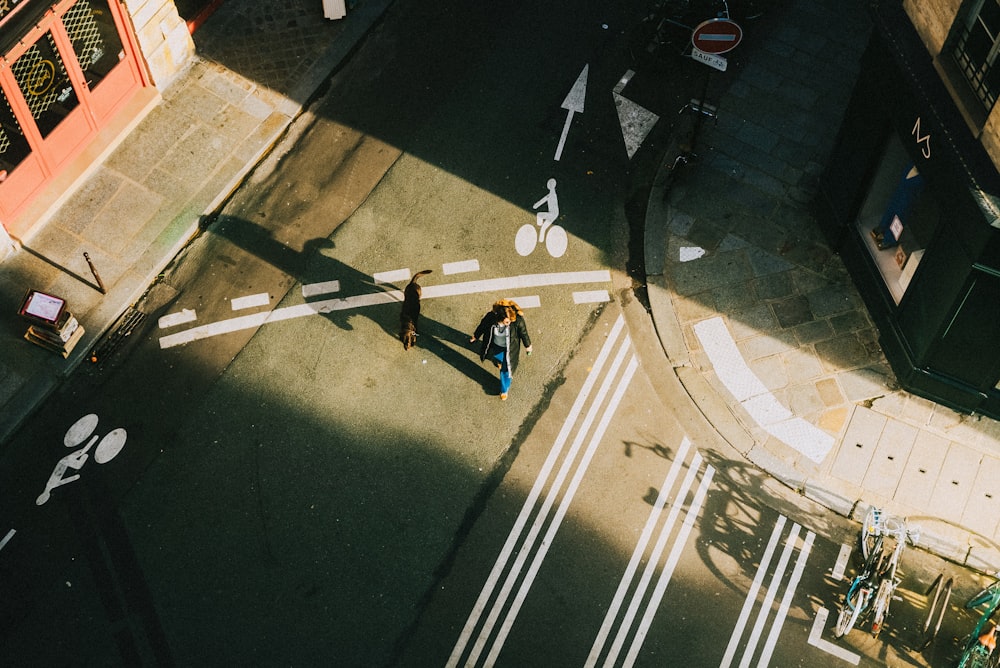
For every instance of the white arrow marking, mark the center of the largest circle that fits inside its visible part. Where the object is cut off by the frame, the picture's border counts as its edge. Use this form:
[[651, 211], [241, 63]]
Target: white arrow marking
[[688, 253], [635, 120], [6, 539], [573, 104]]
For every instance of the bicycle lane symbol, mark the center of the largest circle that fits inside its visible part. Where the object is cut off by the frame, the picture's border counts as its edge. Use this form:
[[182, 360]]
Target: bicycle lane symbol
[[553, 236], [82, 430]]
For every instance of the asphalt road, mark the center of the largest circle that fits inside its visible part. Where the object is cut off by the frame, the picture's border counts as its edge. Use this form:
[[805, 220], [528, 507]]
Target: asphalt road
[[296, 489]]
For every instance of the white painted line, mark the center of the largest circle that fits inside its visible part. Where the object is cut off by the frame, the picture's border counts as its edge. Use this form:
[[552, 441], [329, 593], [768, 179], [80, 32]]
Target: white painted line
[[786, 601], [688, 253], [591, 296], [501, 285], [638, 552], [623, 81], [6, 539], [557, 519], [179, 318], [323, 288], [816, 640], [392, 276], [756, 399], [251, 301], [840, 567], [527, 301], [751, 598], [668, 568], [772, 591], [536, 490], [463, 267]]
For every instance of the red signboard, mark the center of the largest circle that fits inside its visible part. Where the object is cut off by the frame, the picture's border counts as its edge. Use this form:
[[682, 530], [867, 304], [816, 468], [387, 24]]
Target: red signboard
[[716, 36]]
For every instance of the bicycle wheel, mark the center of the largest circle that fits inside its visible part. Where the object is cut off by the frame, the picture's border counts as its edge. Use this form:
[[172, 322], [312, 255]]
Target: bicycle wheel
[[871, 532], [881, 607], [939, 595], [850, 610]]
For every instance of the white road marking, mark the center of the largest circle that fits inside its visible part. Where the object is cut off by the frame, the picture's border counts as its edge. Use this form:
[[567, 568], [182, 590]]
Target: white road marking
[[635, 120], [502, 285], [668, 568], [528, 301], [751, 598], [573, 104], [688, 253], [772, 590], [546, 542], [179, 318], [463, 267], [816, 640], [251, 301], [786, 601], [528, 508], [840, 567], [591, 296], [638, 552], [6, 539], [753, 395], [392, 276], [322, 288]]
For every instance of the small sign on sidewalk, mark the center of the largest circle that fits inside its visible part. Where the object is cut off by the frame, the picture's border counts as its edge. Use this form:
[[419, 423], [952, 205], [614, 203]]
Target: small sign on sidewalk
[[334, 9], [710, 59]]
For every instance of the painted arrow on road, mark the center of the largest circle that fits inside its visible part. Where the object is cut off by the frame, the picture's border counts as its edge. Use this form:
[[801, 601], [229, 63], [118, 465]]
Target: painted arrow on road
[[636, 121], [574, 105]]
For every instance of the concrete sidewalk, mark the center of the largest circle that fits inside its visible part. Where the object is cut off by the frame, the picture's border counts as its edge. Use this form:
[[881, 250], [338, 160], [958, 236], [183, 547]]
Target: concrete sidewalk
[[257, 64], [762, 322]]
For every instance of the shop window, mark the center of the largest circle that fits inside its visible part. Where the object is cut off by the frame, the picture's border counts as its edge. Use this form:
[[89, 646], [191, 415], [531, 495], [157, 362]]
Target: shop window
[[976, 48], [898, 219], [95, 39], [46, 87], [13, 146]]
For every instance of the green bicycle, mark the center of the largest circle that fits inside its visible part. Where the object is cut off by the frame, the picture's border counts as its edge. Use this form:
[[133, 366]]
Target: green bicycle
[[979, 650]]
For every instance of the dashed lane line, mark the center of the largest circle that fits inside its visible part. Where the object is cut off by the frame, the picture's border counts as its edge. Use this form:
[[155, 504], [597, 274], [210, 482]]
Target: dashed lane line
[[504, 284]]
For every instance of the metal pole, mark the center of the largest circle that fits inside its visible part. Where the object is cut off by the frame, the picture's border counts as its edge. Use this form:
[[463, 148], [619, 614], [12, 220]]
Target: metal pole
[[93, 270]]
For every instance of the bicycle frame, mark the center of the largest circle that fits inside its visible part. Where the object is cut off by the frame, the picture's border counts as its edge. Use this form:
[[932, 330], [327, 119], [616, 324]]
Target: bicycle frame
[[991, 597]]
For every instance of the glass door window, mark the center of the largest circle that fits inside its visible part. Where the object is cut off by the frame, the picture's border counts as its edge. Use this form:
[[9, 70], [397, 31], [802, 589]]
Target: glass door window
[[14, 147], [95, 39], [44, 83]]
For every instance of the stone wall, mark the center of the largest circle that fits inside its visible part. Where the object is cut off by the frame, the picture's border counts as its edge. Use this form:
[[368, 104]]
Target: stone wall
[[163, 37], [933, 20]]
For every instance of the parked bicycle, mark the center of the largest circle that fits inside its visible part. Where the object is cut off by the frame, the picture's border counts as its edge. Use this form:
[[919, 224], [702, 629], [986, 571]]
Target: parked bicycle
[[979, 649], [874, 587]]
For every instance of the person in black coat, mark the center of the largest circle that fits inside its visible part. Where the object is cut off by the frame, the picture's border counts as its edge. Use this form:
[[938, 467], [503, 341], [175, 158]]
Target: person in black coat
[[502, 332]]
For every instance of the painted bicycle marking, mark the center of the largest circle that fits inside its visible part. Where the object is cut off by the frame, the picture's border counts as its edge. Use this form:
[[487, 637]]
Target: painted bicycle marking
[[553, 236], [83, 429]]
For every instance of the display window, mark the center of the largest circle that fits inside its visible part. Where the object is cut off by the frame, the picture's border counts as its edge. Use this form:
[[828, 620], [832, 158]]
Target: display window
[[898, 219]]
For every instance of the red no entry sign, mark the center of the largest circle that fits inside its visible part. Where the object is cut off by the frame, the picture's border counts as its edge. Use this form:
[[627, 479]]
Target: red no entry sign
[[716, 36]]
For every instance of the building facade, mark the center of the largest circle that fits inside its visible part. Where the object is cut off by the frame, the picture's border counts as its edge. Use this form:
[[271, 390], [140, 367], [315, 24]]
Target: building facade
[[75, 76], [911, 195]]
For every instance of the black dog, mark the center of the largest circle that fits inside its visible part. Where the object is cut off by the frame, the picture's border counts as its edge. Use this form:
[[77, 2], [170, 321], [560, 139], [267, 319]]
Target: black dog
[[411, 311]]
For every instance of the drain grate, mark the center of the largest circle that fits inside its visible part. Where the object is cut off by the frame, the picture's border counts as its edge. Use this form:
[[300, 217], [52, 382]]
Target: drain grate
[[126, 324]]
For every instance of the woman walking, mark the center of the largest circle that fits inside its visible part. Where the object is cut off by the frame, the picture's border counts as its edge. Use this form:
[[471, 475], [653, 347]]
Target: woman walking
[[502, 331]]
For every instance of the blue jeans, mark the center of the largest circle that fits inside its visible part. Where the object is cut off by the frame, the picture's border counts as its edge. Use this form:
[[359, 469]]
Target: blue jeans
[[505, 378]]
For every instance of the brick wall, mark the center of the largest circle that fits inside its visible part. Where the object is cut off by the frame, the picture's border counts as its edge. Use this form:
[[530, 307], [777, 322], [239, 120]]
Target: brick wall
[[163, 38]]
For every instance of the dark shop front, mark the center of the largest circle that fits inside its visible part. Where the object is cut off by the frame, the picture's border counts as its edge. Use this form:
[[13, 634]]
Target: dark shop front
[[911, 201]]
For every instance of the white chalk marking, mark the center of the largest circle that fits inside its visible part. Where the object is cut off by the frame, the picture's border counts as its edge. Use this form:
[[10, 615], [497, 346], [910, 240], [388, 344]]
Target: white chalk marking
[[502, 285], [392, 276], [174, 319], [840, 567], [250, 301], [816, 640], [6, 539], [591, 296], [463, 267], [323, 288], [688, 253], [753, 395]]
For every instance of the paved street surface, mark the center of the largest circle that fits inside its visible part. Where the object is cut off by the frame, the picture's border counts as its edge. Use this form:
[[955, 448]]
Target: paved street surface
[[259, 474]]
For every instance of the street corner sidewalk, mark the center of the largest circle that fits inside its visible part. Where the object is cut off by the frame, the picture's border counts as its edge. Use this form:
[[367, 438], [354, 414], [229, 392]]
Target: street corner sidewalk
[[139, 205]]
